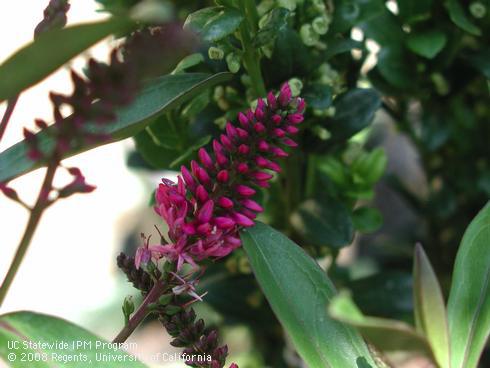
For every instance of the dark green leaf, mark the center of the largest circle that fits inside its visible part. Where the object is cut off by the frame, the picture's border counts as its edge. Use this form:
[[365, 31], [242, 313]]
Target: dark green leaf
[[385, 334], [469, 299], [299, 292], [275, 22], [366, 219], [353, 12], [189, 152], [427, 44], [354, 111], [370, 167], [159, 157], [430, 310], [481, 61], [412, 11], [214, 23], [324, 223], [23, 328], [460, 18], [160, 95], [318, 96], [393, 66], [339, 46], [51, 50]]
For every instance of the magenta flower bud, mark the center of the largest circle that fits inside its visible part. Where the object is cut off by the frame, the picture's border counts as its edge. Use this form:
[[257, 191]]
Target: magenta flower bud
[[279, 133], [189, 229], [243, 149], [204, 229], [279, 152], [250, 214], [187, 176], [224, 222], [242, 220], [217, 147], [201, 194], [242, 168], [236, 242], [223, 176], [263, 146], [261, 175], [263, 184], [194, 167], [225, 202], [251, 205], [28, 135], [250, 115], [289, 142], [221, 159], [259, 127], [260, 104], [41, 124], [292, 129], [261, 161], [276, 119], [295, 118], [244, 191], [243, 119], [285, 95], [205, 158], [274, 166], [271, 99], [259, 113], [243, 134], [301, 105], [203, 176], [206, 212], [226, 142], [230, 130]]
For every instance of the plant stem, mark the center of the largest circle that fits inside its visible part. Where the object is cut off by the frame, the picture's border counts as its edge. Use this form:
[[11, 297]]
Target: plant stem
[[156, 291], [34, 218], [6, 116], [251, 58]]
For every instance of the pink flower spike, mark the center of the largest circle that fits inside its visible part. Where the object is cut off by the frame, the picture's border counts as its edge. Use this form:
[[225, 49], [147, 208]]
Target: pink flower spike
[[217, 147], [259, 128], [289, 142], [259, 113], [295, 118], [187, 176], [189, 229], [279, 133], [263, 146], [205, 158], [223, 176], [271, 165], [206, 212], [203, 176], [276, 119], [243, 149], [194, 167], [263, 184], [271, 99], [260, 104], [226, 142], [278, 152], [243, 134], [230, 130], [250, 214], [261, 161], [243, 119], [224, 222], [292, 129], [251, 205], [204, 229], [242, 220], [221, 159], [244, 191], [225, 202], [242, 168], [285, 94], [301, 105], [261, 176], [202, 194]]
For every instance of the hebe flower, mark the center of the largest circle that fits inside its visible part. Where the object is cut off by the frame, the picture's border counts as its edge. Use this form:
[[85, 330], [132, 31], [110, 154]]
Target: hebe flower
[[212, 200]]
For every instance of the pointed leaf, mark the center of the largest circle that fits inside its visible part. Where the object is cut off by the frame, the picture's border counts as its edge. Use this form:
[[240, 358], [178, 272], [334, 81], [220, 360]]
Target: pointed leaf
[[52, 341], [214, 23], [160, 95], [429, 307], [50, 51], [299, 291], [469, 299]]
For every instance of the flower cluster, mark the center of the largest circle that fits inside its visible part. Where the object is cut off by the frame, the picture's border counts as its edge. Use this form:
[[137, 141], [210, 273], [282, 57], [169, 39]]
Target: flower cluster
[[212, 201]]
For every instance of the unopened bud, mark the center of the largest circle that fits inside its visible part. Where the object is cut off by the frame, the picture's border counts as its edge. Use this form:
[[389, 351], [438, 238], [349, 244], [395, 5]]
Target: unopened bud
[[308, 35], [320, 25], [478, 10], [128, 308], [233, 62], [215, 53]]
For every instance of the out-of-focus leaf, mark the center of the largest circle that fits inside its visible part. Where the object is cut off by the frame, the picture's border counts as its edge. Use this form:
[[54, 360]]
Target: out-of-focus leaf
[[459, 17], [326, 222], [370, 166], [299, 292], [55, 341], [427, 44], [339, 46], [319, 96], [412, 11], [367, 219], [188, 62], [469, 299], [430, 310], [351, 13], [214, 23], [393, 66], [49, 51], [159, 96], [158, 156], [275, 22], [481, 61], [354, 111], [385, 334]]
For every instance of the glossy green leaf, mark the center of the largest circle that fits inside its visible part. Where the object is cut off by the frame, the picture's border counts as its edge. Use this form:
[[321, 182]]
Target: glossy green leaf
[[469, 299], [385, 334], [325, 222], [160, 95], [354, 111], [367, 219], [188, 62], [371, 166], [299, 292], [275, 21], [393, 66], [51, 50], [214, 23], [429, 307], [56, 340], [460, 18], [427, 44], [156, 155], [319, 96]]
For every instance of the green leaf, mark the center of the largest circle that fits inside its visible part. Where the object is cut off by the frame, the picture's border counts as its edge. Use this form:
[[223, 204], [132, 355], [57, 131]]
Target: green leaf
[[158, 156], [159, 96], [385, 334], [459, 17], [354, 111], [338, 46], [25, 328], [275, 22], [469, 299], [393, 66], [49, 51], [366, 219], [325, 222], [413, 11], [371, 166], [319, 96], [214, 23], [480, 60], [429, 307], [188, 62], [427, 44], [299, 291]]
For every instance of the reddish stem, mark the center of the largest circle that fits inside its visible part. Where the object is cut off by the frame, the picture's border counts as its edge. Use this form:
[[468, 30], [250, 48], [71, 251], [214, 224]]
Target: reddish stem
[[8, 113]]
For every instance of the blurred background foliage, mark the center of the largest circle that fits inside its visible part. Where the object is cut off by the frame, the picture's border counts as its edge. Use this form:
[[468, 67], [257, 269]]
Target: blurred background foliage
[[394, 150]]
